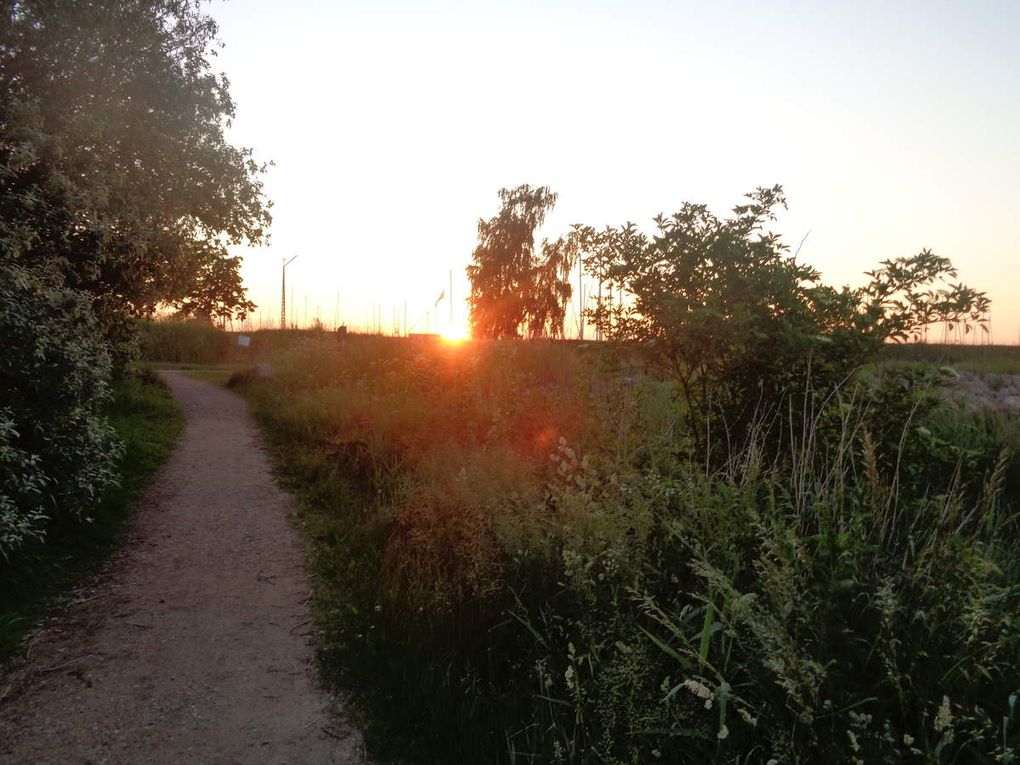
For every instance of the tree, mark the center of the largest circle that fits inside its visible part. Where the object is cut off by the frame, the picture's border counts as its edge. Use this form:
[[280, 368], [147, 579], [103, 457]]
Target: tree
[[741, 323], [114, 168], [119, 194], [511, 285]]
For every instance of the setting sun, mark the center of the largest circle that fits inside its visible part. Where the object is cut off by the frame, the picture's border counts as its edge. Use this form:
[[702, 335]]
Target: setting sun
[[457, 333]]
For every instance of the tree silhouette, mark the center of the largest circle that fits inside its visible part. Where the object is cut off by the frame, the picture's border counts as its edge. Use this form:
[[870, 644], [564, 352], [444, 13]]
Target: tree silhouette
[[739, 321], [512, 286]]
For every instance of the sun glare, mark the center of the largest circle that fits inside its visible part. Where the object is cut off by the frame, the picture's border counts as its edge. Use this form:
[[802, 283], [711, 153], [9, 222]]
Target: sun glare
[[457, 333]]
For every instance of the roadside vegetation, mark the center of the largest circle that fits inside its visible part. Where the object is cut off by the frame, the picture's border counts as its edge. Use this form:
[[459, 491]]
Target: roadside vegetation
[[732, 533], [36, 578], [519, 557]]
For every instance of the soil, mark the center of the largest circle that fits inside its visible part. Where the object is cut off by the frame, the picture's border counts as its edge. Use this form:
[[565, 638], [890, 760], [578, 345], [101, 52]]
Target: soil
[[191, 646]]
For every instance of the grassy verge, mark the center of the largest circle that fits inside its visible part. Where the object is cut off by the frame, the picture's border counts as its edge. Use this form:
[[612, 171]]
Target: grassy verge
[[37, 579], [520, 557]]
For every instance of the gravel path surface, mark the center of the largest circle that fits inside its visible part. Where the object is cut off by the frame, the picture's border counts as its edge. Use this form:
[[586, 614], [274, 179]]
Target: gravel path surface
[[191, 647]]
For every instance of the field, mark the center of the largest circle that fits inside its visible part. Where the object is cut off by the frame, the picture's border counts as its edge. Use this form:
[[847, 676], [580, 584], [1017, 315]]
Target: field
[[521, 555]]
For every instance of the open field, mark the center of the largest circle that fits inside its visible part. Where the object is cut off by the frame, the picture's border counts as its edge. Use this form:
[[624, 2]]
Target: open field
[[985, 359], [521, 555]]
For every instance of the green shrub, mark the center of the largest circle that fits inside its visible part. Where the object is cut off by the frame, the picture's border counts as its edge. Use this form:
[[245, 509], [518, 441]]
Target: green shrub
[[57, 450], [38, 575]]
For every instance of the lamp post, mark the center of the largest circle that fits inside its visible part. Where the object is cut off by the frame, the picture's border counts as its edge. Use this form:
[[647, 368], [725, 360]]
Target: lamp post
[[283, 292]]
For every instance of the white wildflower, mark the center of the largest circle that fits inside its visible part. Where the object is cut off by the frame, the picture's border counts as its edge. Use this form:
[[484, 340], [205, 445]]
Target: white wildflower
[[698, 688], [944, 717], [746, 717], [723, 733]]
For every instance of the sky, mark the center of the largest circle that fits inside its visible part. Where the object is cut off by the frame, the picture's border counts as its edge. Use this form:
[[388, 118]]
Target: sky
[[892, 126]]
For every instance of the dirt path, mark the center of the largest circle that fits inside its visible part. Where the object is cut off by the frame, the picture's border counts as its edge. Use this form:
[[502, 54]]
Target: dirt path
[[191, 647]]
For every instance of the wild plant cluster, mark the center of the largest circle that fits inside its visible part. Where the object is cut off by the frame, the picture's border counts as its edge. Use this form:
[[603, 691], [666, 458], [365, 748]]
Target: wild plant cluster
[[57, 449], [525, 555]]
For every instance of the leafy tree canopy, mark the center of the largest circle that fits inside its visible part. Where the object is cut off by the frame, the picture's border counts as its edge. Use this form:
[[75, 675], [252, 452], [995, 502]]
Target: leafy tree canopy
[[512, 286], [115, 174]]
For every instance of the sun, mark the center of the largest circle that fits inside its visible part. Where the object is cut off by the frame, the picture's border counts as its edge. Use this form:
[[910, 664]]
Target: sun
[[456, 333]]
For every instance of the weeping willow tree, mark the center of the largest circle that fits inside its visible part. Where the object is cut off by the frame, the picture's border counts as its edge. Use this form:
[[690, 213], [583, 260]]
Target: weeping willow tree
[[515, 286]]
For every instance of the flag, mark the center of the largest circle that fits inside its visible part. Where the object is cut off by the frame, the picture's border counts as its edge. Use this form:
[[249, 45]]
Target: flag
[[440, 299]]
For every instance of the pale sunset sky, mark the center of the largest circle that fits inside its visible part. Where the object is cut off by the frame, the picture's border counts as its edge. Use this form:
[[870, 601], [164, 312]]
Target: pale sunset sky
[[892, 126]]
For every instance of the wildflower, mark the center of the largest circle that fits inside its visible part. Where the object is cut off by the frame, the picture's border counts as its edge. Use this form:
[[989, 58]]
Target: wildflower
[[746, 717], [944, 717], [698, 688], [908, 739], [723, 733]]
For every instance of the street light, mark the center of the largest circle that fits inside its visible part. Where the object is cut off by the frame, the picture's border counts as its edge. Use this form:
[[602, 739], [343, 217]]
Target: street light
[[283, 292]]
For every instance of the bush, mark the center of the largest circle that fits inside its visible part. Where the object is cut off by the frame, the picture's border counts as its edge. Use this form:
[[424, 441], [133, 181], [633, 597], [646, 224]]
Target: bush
[[57, 451], [37, 576]]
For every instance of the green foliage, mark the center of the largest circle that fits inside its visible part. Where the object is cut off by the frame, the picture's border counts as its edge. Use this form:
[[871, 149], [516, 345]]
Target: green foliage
[[36, 578], [741, 324], [57, 451], [511, 285], [114, 169], [518, 560], [182, 341]]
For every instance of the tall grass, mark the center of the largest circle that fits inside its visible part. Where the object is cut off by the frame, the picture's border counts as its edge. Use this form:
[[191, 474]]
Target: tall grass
[[195, 342], [178, 341], [520, 558]]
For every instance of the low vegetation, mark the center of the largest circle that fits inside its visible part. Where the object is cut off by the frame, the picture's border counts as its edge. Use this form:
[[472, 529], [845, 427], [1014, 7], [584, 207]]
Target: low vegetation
[[523, 555], [35, 579], [726, 535]]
